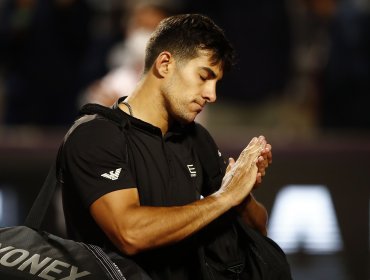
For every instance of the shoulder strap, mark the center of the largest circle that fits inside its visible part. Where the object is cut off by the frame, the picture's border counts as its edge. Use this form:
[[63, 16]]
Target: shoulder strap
[[107, 112], [42, 202], [38, 210]]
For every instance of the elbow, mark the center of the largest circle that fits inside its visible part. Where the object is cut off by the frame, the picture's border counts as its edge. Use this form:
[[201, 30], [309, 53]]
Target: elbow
[[128, 249], [129, 243], [261, 221], [262, 228], [257, 220]]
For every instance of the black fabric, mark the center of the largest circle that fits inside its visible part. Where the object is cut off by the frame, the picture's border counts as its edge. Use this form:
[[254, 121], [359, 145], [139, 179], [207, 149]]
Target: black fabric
[[265, 260], [93, 149], [37, 213], [29, 254], [166, 162], [227, 248]]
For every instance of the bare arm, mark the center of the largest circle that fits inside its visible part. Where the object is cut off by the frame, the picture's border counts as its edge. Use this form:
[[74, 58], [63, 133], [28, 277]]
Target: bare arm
[[134, 228], [253, 212]]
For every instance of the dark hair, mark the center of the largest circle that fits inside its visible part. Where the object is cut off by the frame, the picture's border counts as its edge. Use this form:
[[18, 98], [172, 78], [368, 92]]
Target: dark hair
[[184, 35]]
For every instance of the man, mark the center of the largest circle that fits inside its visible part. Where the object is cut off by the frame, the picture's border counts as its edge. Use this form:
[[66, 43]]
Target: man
[[139, 188]]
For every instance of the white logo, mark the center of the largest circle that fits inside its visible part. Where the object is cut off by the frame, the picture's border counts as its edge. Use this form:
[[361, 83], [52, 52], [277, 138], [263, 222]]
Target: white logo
[[113, 175], [193, 172], [30, 263]]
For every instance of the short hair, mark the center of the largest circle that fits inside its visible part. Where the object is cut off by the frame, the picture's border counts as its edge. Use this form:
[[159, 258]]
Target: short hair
[[184, 35]]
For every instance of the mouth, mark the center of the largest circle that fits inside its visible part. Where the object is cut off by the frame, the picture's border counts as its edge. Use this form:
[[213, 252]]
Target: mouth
[[200, 106]]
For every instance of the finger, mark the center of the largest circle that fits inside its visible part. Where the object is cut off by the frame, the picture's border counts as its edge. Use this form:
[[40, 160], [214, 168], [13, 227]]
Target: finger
[[230, 165], [268, 152], [253, 142], [260, 159], [258, 179], [249, 156], [267, 158], [263, 162], [254, 146]]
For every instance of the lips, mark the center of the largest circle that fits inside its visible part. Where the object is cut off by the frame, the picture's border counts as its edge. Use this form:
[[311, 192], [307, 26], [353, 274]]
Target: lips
[[201, 105]]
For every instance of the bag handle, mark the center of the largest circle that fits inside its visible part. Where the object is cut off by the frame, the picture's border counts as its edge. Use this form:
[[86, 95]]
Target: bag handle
[[39, 207]]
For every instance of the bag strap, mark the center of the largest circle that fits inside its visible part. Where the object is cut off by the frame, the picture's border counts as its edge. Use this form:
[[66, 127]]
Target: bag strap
[[38, 210], [110, 113], [202, 142]]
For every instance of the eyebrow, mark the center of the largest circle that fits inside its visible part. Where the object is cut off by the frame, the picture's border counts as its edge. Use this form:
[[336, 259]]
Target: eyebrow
[[209, 71]]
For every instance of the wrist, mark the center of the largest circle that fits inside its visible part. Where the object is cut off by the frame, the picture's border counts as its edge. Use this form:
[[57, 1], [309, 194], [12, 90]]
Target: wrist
[[245, 203], [223, 200]]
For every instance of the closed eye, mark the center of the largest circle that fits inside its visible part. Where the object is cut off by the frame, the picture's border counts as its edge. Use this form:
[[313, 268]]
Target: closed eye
[[207, 74]]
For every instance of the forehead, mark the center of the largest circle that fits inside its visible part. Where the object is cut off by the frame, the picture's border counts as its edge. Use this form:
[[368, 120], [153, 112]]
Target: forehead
[[203, 62]]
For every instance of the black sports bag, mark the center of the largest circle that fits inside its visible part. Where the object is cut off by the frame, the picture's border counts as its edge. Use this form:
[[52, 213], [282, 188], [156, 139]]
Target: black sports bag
[[27, 252], [229, 249]]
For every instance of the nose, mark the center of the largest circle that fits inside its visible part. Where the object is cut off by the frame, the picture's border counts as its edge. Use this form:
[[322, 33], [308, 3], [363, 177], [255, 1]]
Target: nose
[[209, 94]]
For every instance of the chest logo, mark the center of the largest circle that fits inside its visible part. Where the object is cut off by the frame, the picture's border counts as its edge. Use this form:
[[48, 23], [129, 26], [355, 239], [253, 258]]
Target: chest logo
[[112, 175], [193, 172]]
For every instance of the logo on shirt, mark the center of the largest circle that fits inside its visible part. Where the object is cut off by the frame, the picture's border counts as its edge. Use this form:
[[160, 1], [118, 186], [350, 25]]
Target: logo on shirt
[[112, 175], [193, 172]]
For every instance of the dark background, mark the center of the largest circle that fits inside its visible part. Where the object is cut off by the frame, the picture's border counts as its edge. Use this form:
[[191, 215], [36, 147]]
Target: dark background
[[302, 80]]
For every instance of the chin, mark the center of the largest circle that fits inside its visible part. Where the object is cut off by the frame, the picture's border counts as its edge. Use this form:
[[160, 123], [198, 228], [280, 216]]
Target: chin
[[186, 119]]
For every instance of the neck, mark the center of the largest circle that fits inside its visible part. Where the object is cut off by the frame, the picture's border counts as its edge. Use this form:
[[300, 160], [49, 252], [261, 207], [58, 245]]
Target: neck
[[148, 106]]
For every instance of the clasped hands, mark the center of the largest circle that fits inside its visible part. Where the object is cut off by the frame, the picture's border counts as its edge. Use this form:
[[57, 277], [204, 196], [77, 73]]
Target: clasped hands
[[247, 171]]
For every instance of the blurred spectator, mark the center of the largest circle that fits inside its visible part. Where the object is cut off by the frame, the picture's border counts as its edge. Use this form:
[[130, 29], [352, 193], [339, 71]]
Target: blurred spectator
[[331, 62], [309, 24], [346, 77], [126, 58], [49, 50], [41, 45]]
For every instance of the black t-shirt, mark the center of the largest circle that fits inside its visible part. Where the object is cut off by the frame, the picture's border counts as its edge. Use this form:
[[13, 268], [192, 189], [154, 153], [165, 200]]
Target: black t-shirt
[[99, 157]]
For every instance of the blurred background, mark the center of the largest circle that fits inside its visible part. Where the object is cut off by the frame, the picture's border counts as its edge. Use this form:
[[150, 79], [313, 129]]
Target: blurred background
[[302, 80]]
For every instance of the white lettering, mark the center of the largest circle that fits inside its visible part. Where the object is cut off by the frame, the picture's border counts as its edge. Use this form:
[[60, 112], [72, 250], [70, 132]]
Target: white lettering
[[13, 257], [35, 263], [74, 275], [52, 268], [23, 255], [5, 249], [193, 172]]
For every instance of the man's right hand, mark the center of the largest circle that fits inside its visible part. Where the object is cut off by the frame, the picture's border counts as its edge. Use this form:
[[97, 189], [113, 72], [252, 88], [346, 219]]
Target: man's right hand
[[241, 175]]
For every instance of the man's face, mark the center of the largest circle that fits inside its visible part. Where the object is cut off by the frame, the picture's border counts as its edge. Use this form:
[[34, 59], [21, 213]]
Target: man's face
[[190, 86]]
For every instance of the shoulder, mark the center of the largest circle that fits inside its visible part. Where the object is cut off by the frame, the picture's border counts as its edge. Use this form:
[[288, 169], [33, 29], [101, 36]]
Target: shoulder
[[92, 133], [202, 137], [200, 131], [92, 127]]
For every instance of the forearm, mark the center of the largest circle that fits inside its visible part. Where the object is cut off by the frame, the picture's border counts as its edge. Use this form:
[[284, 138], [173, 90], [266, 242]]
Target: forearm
[[134, 228], [144, 227], [254, 214]]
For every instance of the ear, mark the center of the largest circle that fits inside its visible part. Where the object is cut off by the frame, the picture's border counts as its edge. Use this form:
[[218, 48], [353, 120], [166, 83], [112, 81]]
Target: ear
[[162, 63]]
